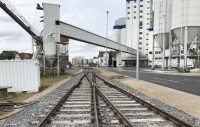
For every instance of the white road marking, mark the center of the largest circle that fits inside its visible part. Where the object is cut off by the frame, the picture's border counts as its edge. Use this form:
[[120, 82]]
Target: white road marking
[[166, 80], [158, 81]]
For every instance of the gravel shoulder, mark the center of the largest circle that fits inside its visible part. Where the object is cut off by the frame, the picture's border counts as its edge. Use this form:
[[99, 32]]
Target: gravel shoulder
[[183, 101]]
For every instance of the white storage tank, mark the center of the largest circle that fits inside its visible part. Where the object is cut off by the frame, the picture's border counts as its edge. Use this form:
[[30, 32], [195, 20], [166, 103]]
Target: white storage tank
[[162, 21], [116, 34], [186, 13], [120, 31], [21, 75]]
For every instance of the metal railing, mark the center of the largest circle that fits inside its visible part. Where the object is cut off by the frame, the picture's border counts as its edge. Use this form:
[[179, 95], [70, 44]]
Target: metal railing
[[9, 6]]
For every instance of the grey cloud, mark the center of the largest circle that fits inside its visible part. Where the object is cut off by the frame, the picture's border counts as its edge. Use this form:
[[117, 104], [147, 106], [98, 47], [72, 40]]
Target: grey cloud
[[10, 36], [10, 33], [5, 19]]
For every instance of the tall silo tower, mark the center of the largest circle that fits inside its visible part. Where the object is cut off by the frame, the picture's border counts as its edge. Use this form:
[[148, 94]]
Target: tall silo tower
[[162, 22], [186, 29]]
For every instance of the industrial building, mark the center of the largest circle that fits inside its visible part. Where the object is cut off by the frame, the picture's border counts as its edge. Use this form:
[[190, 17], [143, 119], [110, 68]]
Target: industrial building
[[168, 33], [51, 44], [80, 61], [127, 30], [176, 33]]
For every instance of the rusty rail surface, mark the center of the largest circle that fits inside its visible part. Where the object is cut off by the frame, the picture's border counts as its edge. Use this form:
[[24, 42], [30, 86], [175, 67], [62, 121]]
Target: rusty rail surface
[[94, 102]]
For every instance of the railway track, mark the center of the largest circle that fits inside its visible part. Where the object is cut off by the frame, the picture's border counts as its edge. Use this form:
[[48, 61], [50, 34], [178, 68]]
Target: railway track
[[95, 102]]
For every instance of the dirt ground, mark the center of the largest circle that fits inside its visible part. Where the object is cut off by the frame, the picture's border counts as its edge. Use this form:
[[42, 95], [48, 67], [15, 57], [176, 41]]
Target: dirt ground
[[186, 102]]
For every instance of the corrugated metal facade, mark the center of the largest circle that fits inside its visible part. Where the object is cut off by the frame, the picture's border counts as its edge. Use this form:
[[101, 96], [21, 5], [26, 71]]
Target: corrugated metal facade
[[21, 75]]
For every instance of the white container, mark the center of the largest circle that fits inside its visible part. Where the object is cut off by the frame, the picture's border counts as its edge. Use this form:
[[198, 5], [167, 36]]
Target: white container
[[21, 75], [186, 13]]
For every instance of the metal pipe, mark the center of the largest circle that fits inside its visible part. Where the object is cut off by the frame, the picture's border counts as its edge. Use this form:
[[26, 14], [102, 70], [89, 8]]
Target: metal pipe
[[185, 47], [170, 49], [138, 53], [107, 39], [153, 53]]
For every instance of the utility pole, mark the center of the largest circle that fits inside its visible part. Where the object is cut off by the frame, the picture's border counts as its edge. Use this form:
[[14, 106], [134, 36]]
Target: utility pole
[[107, 39], [138, 52]]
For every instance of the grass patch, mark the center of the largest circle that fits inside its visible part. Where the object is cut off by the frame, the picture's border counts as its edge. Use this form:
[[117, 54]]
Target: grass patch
[[46, 82]]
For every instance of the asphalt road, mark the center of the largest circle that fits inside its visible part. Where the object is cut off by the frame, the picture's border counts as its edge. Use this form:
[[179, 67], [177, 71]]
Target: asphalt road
[[189, 84]]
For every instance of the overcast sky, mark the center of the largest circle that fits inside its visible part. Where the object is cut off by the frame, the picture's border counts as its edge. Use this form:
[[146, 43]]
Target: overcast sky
[[87, 14]]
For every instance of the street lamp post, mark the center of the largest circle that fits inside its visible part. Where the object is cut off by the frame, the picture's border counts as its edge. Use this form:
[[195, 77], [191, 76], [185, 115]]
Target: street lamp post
[[138, 57], [107, 39]]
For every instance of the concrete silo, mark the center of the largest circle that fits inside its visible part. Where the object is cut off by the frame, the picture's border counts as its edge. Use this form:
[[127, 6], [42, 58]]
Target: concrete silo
[[51, 32], [162, 22], [185, 27]]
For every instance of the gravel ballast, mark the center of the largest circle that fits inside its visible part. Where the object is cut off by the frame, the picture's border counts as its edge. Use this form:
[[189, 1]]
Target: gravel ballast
[[171, 110], [29, 115]]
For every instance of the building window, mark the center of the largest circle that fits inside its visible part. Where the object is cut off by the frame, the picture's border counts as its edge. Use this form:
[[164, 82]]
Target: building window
[[141, 16], [128, 12], [134, 6], [141, 23], [140, 38], [128, 18], [134, 17], [140, 32], [150, 52], [141, 5], [141, 11], [128, 7], [140, 43], [140, 48]]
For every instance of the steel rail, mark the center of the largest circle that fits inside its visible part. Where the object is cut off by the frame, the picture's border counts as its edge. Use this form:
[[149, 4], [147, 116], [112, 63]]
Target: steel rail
[[58, 105], [112, 106], [94, 102], [121, 116], [148, 105]]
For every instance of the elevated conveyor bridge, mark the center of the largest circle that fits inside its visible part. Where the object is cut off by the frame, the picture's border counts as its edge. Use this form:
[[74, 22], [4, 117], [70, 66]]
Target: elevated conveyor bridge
[[68, 30]]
